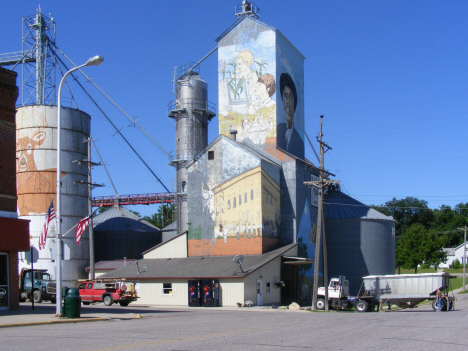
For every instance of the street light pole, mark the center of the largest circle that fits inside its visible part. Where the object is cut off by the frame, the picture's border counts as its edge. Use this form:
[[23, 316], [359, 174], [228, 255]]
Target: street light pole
[[464, 256], [94, 61]]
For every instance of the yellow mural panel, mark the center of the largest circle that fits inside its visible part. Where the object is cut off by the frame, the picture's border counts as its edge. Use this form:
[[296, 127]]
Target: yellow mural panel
[[247, 217]]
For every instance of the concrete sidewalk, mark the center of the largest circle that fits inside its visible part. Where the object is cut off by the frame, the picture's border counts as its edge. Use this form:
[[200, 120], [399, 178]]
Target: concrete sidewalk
[[43, 313]]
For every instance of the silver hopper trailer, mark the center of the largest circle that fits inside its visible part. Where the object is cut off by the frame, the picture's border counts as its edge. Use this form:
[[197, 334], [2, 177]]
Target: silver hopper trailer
[[407, 290]]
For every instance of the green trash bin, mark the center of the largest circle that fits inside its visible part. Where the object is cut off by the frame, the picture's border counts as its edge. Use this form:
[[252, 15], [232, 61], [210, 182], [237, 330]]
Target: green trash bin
[[72, 306]]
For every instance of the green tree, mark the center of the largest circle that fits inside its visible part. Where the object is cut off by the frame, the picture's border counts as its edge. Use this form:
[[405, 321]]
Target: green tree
[[447, 220], [406, 212], [416, 246], [102, 209], [163, 217]]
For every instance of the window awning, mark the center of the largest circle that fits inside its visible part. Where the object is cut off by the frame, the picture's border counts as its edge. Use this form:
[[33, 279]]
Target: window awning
[[15, 234], [297, 260]]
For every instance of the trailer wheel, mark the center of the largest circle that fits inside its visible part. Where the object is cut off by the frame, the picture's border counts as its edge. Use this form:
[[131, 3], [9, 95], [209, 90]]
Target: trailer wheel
[[37, 296], [108, 300], [443, 305], [434, 304], [361, 306], [123, 303], [320, 304]]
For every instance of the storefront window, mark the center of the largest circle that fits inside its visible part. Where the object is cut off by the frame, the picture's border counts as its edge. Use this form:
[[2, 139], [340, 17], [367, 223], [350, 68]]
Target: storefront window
[[3, 281]]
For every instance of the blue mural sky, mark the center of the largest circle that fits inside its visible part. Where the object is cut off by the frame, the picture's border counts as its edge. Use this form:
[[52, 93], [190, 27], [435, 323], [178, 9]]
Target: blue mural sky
[[389, 77]]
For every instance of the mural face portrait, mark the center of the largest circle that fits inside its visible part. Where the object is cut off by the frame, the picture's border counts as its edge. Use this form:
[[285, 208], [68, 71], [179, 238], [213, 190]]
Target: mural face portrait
[[260, 89], [288, 102], [289, 96], [244, 61]]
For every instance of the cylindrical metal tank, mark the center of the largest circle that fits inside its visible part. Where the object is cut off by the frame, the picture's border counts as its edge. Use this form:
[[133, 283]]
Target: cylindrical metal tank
[[192, 126], [360, 240], [191, 133], [36, 140]]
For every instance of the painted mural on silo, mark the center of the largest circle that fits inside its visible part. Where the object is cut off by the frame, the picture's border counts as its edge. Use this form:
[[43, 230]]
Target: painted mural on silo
[[36, 140], [290, 111], [234, 202], [261, 88], [247, 83]]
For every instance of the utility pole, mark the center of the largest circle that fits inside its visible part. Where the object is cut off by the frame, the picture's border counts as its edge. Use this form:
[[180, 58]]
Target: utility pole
[[321, 184], [464, 256], [90, 187]]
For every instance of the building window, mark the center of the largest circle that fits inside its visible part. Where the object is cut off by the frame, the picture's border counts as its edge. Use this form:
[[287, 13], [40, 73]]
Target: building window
[[240, 200], [210, 155], [4, 286], [245, 197], [268, 288], [234, 202], [229, 204], [251, 194], [167, 288]]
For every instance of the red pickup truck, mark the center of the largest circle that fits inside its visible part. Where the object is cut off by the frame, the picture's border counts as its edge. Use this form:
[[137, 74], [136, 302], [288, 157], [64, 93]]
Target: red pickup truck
[[109, 292]]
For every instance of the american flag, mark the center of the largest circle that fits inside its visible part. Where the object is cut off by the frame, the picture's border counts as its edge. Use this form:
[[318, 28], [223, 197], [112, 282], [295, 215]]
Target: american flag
[[80, 228], [50, 215]]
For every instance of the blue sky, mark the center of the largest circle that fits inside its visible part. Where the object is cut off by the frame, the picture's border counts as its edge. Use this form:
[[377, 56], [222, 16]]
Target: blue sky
[[390, 78]]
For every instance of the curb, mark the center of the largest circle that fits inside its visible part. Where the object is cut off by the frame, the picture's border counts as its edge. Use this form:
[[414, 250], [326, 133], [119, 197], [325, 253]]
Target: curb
[[75, 320]]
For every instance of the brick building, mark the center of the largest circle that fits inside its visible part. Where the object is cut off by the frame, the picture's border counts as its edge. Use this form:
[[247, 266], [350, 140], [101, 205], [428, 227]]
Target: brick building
[[14, 232]]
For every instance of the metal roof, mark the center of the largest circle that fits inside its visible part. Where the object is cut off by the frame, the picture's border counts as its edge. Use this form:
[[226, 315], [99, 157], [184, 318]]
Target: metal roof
[[109, 265], [117, 219], [244, 18], [196, 267], [172, 226], [342, 206]]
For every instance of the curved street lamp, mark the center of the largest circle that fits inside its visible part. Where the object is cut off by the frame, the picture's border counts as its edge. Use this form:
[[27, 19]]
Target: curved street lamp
[[94, 61]]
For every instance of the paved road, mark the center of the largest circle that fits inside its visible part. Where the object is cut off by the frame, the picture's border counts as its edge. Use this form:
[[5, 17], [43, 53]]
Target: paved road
[[246, 329]]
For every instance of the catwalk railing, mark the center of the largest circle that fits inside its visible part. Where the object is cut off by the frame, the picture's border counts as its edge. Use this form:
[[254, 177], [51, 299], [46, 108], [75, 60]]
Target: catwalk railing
[[136, 199]]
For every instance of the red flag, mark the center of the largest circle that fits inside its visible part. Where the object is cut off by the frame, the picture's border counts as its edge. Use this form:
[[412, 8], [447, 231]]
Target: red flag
[[80, 228], [50, 215]]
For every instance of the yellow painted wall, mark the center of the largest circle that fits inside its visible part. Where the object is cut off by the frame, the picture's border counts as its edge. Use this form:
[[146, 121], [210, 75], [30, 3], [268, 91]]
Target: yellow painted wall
[[247, 217]]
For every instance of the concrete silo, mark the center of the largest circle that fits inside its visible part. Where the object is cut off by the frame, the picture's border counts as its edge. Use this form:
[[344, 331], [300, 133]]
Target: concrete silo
[[36, 140], [192, 112], [360, 240]]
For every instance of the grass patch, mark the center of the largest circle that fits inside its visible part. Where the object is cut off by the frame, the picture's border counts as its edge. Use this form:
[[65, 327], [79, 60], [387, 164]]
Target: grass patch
[[455, 283], [455, 270], [431, 270]]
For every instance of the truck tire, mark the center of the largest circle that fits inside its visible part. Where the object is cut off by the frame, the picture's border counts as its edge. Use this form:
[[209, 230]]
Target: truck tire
[[443, 305], [361, 306], [86, 303], [124, 303], [53, 300], [434, 304], [37, 296], [320, 304], [107, 300]]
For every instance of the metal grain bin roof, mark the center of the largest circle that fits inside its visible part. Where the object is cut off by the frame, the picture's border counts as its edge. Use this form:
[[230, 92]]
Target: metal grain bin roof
[[342, 206], [118, 219]]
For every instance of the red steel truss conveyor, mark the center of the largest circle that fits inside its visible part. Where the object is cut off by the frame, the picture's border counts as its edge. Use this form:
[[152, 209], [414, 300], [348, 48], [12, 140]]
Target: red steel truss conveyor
[[141, 199]]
